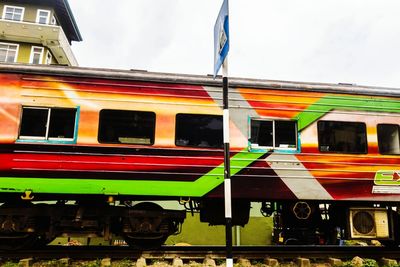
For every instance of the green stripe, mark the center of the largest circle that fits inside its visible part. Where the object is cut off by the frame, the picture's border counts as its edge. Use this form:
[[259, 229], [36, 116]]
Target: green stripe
[[331, 102], [197, 188]]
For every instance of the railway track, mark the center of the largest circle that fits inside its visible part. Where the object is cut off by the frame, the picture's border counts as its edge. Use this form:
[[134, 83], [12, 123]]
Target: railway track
[[321, 254]]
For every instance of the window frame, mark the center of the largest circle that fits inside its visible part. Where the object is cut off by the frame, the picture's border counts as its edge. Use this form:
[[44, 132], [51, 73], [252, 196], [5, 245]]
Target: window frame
[[341, 152], [16, 51], [152, 137], [254, 146], [377, 137], [198, 146], [48, 58], [15, 7], [31, 57], [46, 138], [47, 18]]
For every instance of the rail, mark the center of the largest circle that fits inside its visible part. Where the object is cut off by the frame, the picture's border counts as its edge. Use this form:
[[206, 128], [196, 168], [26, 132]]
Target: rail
[[201, 252]]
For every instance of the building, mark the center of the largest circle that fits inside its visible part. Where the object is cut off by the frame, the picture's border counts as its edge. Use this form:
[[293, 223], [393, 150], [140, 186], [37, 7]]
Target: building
[[37, 32]]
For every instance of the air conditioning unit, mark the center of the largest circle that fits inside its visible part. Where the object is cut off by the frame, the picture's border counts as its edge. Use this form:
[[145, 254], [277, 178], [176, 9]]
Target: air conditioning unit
[[369, 223]]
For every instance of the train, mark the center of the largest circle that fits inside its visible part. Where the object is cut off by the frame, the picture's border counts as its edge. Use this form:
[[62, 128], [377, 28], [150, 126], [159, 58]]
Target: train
[[90, 151]]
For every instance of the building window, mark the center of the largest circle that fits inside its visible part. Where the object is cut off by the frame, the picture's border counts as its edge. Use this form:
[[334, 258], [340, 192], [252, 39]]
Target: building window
[[36, 55], [127, 127], [49, 57], [197, 130], [13, 13], [389, 139], [40, 123], [342, 137], [43, 16], [276, 134], [8, 52]]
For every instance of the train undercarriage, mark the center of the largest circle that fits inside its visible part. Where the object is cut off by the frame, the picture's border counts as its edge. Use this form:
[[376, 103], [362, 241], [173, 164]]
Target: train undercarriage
[[24, 224], [145, 225]]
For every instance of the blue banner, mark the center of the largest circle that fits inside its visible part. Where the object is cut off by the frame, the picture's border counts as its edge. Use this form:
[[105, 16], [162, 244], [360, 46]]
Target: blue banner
[[221, 37]]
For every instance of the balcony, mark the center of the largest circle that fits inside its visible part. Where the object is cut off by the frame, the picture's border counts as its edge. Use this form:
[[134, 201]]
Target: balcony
[[50, 36]]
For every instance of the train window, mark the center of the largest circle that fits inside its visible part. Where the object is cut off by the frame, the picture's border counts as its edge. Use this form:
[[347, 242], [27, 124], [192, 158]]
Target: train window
[[342, 137], [276, 134], [197, 130], [127, 127], [389, 139], [48, 123]]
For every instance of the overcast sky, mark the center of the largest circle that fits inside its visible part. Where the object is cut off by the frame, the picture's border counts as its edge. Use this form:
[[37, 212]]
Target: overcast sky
[[348, 41]]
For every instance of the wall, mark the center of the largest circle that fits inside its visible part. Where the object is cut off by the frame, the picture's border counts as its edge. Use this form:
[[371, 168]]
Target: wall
[[256, 232], [24, 52]]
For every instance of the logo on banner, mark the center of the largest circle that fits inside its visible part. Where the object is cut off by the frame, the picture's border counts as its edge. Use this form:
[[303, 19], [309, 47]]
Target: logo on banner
[[387, 182], [222, 39]]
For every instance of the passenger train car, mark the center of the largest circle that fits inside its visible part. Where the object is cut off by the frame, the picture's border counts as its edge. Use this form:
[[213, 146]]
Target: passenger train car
[[87, 151]]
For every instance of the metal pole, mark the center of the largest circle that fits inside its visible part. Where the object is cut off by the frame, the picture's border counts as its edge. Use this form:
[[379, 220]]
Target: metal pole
[[227, 167], [237, 234]]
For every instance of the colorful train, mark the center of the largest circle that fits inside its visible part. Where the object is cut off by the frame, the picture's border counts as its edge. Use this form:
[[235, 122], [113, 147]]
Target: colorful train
[[88, 151]]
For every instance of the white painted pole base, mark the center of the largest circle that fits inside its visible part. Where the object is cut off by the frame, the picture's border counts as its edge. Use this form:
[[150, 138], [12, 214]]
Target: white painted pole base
[[229, 262]]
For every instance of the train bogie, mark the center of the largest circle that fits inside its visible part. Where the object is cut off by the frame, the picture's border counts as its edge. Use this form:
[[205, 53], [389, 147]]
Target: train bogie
[[145, 224]]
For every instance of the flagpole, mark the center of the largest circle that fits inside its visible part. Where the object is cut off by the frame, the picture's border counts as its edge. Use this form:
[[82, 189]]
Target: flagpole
[[227, 168]]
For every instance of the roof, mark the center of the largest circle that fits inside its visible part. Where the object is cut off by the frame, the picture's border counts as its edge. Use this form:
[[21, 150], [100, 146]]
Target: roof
[[204, 80], [64, 16]]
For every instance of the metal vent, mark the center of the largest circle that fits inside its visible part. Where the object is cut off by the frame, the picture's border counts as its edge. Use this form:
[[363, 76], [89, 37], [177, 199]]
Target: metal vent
[[369, 223], [363, 222]]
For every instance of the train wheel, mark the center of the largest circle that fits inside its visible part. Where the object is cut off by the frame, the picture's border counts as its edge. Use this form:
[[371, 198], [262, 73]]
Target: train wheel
[[292, 241], [42, 240], [18, 229], [146, 235], [145, 242]]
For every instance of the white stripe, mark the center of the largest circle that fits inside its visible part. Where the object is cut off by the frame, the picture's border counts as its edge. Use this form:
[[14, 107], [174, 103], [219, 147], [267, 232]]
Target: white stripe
[[239, 109], [7, 114], [229, 262], [225, 67], [226, 126], [228, 205], [295, 175]]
